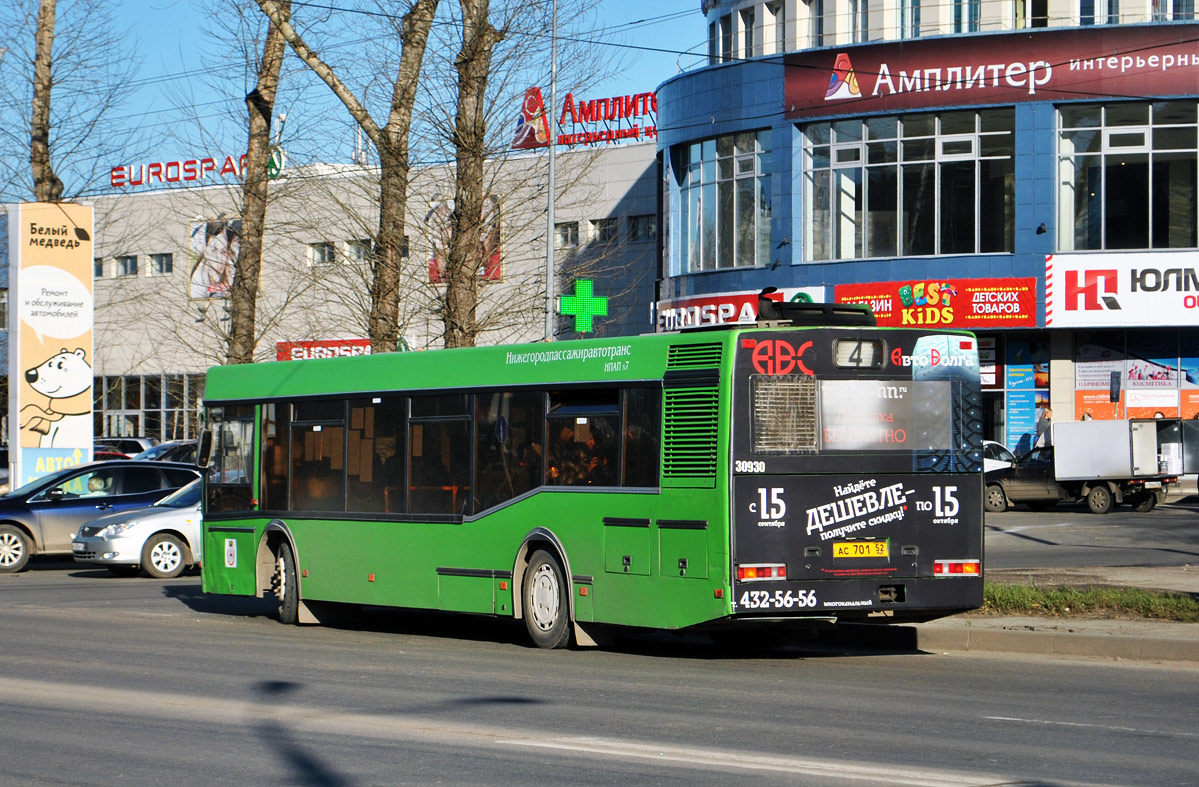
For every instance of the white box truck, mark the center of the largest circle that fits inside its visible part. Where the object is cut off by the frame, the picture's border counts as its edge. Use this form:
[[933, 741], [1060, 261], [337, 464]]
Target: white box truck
[[1104, 463]]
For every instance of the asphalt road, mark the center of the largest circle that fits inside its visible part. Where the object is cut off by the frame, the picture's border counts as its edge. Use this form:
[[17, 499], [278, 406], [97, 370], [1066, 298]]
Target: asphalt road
[[104, 679], [1071, 536]]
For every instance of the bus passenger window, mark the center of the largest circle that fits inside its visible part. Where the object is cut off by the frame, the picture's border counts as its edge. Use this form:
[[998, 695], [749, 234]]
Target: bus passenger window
[[642, 425], [507, 446], [439, 457], [317, 467], [375, 455], [583, 451]]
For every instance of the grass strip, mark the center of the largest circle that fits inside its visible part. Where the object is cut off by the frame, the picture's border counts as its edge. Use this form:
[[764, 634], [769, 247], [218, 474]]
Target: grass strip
[[1079, 602]]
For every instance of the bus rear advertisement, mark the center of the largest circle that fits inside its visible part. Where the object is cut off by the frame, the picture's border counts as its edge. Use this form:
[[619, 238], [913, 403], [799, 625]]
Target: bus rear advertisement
[[795, 473]]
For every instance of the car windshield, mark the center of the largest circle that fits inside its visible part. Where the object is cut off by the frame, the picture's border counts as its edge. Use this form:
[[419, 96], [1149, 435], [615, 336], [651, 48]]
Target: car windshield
[[183, 497]]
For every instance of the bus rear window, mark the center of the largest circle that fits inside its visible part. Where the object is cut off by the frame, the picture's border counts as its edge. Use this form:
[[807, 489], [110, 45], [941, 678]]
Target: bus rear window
[[885, 415]]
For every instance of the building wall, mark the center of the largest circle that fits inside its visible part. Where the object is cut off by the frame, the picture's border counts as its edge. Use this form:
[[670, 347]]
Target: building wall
[[155, 338], [724, 98]]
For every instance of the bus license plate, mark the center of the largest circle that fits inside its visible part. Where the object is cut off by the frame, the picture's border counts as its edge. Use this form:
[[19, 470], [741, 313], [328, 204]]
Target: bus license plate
[[861, 549]]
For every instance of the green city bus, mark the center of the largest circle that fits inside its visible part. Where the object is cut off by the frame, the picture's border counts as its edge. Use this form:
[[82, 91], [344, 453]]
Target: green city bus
[[795, 472]]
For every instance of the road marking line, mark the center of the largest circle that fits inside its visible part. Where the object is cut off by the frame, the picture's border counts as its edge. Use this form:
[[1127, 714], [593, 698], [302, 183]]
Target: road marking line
[[1111, 727], [759, 762]]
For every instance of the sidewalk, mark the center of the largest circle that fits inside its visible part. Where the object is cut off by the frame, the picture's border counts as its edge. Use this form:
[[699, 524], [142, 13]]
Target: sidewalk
[[1093, 637]]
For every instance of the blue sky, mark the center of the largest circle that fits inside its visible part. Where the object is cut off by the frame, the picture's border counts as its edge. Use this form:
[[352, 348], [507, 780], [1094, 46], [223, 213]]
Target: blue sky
[[647, 36]]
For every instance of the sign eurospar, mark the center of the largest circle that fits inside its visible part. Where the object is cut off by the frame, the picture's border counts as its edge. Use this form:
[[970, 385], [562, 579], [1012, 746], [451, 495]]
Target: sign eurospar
[[948, 302], [724, 308], [1043, 65], [1122, 289], [321, 348]]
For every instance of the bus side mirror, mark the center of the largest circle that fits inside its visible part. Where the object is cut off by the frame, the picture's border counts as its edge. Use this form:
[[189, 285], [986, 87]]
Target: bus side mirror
[[205, 452]]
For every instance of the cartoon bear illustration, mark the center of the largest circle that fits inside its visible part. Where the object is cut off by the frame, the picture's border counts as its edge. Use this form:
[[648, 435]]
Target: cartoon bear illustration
[[61, 376]]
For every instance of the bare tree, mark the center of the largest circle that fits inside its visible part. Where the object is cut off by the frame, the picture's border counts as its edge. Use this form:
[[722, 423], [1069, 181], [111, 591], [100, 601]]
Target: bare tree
[[64, 72], [260, 102], [47, 187], [392, 143]]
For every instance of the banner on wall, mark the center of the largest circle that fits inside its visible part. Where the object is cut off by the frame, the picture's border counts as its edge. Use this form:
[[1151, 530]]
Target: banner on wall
[[1041, 65], [1132, 289], [50, 337], [949, 303]]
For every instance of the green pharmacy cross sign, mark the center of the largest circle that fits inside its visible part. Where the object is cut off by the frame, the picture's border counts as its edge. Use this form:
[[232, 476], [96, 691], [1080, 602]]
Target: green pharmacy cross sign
[[583, 305]]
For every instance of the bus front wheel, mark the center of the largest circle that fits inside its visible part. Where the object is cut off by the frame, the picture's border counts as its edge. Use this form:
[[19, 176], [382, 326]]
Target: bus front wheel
[[283, 583], [546, 605]]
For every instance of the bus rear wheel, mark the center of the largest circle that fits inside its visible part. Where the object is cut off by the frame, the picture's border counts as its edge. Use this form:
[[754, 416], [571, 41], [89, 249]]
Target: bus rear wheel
[[284, 586], [546, 606]]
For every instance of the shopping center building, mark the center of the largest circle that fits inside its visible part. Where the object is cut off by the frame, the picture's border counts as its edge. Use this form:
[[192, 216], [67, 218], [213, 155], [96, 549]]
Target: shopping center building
[[166, 243], [1027, 171]]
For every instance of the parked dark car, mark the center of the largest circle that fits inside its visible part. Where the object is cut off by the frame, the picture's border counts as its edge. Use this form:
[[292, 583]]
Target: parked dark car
[[42, 516], [127, 445], [1028, 480], [172, 451]]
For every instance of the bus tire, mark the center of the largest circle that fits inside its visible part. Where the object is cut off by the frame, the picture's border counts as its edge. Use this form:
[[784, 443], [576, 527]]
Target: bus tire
[[994, 499], [284, 585], [164, 556], [1099, 499], [15, 549], [546, 604]]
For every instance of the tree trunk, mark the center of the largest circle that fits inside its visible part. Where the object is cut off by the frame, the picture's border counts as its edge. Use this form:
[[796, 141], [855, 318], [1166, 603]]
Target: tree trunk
[[46, 185], [260, 103], [466, 249], [391, 141]]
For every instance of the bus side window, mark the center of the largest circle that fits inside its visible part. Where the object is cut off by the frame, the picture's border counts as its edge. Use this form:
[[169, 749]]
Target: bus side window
[[642, 426], [507, 446], [375, 455], [439, 461]]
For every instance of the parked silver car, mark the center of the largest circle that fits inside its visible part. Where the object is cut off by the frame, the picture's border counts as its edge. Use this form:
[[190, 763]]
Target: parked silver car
[[161, 540]]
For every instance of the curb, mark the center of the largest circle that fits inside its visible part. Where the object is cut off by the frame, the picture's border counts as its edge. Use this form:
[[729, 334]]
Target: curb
[[1056, 643], [1091, 639]]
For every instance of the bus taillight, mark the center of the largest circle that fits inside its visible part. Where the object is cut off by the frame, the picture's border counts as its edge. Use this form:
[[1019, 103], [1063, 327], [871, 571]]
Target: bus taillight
[[755, 572], [956, 568]]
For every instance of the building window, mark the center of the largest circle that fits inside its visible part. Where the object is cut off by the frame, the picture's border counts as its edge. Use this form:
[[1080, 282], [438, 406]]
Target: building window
[[4, 309], [98, 267], [321, 254], [566, 235], [161, 264], [604, 230], [358, 251], [909, 186], [127, 265], [1113, 12], [966, 15], [775, 30], [909, 18], [164, 407], [1086, 12], [816, 22], [747, 32], [643, 228], [859, 13], [726, 38], [725, 194], [1128, 175]]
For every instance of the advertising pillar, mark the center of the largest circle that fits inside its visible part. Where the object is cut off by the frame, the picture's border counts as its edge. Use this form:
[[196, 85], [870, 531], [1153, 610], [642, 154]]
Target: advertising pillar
[[50, 338]]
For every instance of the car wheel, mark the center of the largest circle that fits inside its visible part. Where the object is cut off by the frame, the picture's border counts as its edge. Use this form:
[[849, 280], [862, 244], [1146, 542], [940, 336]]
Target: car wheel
[[1145, 503], [164, 556], [546, 605], [15, 549], [994, 499], [1099, 500], [284, 586], [124, 570]]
